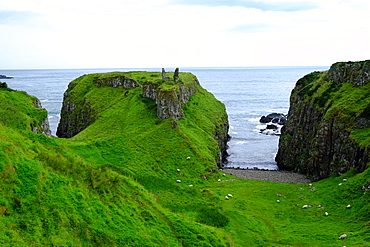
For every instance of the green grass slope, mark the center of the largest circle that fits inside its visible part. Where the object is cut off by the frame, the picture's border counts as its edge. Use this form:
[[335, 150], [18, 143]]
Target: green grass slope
[[114, 184]]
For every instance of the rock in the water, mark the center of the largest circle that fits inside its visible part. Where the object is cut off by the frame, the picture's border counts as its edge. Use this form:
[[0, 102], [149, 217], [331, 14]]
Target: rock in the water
[[282, 120], [5, 77], [271, 127], [265, 119], [274, 122], [273, 117]]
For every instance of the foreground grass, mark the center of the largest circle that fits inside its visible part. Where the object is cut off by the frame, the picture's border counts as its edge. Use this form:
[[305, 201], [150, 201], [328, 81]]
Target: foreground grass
[[114, 184]]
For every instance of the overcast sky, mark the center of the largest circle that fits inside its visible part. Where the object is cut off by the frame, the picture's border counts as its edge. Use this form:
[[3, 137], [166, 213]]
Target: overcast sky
[[182, 33]]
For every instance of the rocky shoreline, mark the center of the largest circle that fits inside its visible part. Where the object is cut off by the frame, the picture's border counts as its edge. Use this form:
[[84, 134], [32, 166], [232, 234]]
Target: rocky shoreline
[[5, 77], [269, 175], [275, 122]]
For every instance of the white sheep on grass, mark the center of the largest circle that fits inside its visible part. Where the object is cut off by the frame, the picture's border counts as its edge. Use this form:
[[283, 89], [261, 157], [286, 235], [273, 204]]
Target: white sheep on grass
[[343, 236], [178, 181]]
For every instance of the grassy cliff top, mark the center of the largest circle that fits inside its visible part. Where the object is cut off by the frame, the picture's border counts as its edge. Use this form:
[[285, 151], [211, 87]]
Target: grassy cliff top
[[115, 184], [346, 103], [18, 110], [142, 77]]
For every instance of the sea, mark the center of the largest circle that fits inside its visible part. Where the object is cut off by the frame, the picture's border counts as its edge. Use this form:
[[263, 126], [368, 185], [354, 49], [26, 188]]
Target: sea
[[248, 94]]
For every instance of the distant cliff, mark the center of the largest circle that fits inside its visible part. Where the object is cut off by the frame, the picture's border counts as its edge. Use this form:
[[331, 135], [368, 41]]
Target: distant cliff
[[328, 129]]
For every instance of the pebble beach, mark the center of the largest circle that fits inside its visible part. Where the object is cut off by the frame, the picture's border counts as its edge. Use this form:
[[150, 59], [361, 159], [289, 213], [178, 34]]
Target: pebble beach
[[273, 176]]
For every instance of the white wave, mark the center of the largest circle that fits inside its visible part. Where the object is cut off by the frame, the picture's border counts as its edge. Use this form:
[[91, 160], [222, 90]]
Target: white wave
[[261, 126], [44, 100], [279, 110], [254, 119], [234, 133], [240, 142]]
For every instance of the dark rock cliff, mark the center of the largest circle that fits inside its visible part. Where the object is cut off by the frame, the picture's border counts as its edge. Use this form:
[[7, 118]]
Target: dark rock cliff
[[326, 110], [221, 135], [170, 101], [44, 128], [74, 121], [357, 73]]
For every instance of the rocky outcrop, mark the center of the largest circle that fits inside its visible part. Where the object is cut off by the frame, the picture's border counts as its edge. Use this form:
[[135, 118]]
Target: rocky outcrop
[[164, 77], [357, 73], [274, 122], [74, 120], [116, 81], [222, 137], [170, 100], [312, 145], [317, 137], [278, 118], [5, 77], [44, 128]]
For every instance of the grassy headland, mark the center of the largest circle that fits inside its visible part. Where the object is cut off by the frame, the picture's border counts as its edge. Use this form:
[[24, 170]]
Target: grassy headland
[[115, 183]]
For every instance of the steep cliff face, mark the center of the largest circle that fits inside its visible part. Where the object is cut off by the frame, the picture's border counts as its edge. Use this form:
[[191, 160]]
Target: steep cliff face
[[170, 100], [327, 131], [44, 127], [357, 73]]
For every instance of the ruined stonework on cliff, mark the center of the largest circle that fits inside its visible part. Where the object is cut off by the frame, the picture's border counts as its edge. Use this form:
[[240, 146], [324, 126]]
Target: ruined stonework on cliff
[[170, 99], [329, 116]]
